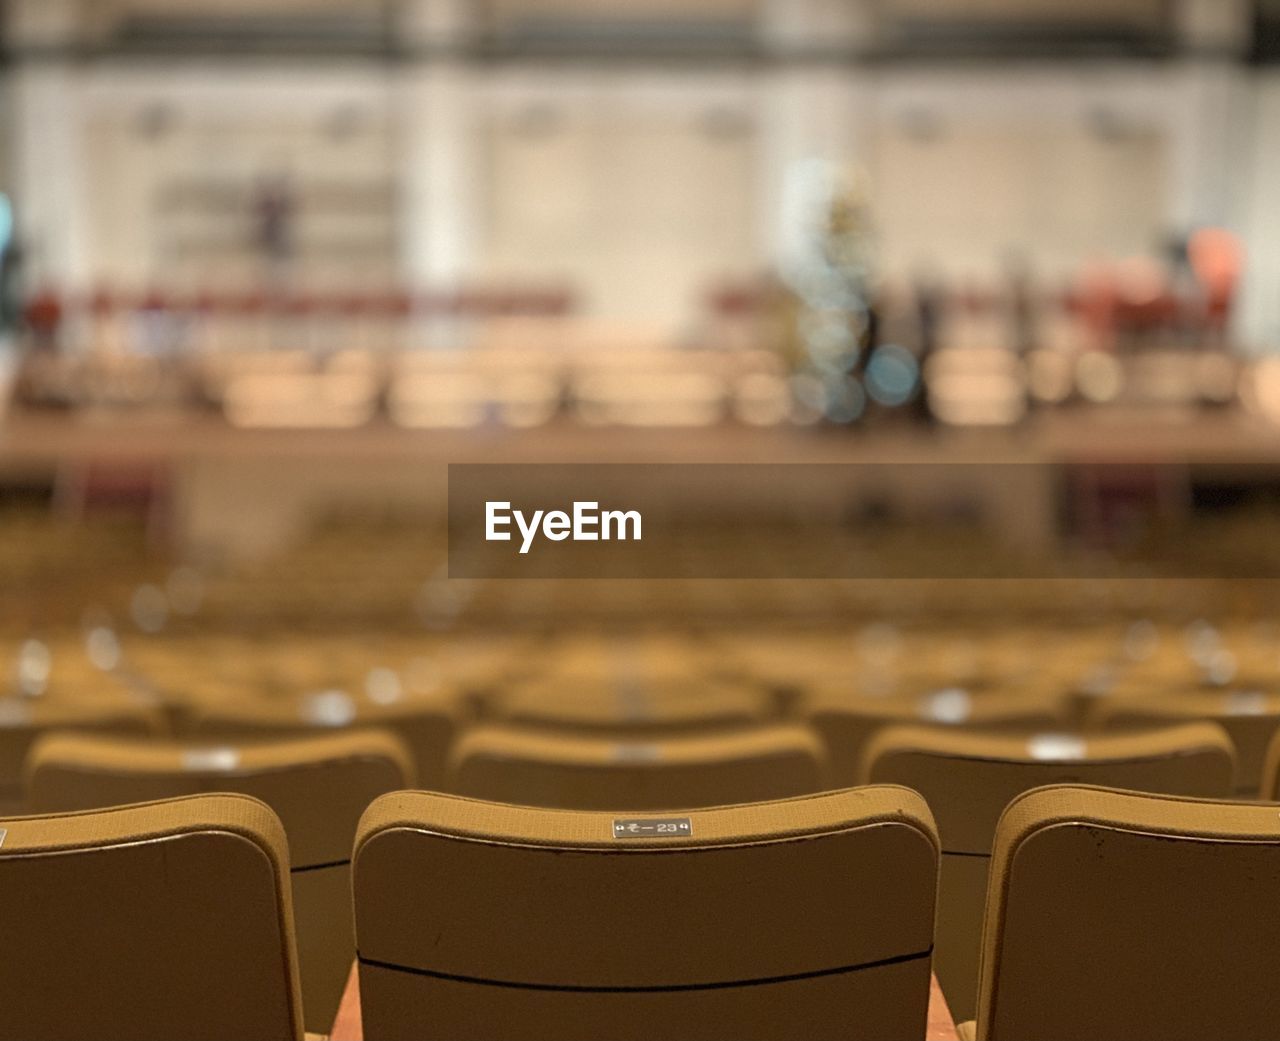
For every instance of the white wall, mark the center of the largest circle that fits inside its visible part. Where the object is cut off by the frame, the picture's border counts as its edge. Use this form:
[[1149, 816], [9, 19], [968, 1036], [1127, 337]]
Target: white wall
[[228, 129], [641, 188], [637, 189], [1259, 197], [50, 174], [968, 166]]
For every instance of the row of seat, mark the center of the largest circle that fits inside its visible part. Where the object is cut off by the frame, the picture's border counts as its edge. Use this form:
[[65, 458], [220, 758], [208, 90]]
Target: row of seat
[[316, 786], [1108, 914], [1076, 674], [191, 657], [969, 778], [450, 737], [319, 785], [671, 743]]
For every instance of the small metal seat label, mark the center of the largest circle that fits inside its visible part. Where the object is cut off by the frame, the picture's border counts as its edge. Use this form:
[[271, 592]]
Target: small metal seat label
[[653, 828]]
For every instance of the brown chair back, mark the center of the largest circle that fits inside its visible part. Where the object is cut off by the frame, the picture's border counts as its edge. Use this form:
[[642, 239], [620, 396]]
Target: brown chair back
[[317, 786], [808, 917], [968, 779], [1124, 915], [167, 920]]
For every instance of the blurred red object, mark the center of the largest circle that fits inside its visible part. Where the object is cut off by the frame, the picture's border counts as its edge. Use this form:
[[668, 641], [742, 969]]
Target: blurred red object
[[1217, 258], [43, 315], [1096, 298]]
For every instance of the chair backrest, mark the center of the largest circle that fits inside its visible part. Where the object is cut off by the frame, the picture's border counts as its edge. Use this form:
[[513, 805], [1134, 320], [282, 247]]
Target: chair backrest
[[1125, 915], [968, 779], [426, 724], [1250, 717], [536, 768], [656, 707], [847, 724], [24, 720], [804, 917], [1270, 789], [163, 920], [317, 786]]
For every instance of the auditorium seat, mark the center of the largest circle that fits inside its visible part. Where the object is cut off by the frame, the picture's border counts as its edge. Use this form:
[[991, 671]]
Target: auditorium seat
[[317, 786], [1250, 717], [23, 720], [847, 724], [1270, 789], [426, 724], [968, 779], [1124, 915], [535, 768], [652, 707], [808, 917], [167, 920]]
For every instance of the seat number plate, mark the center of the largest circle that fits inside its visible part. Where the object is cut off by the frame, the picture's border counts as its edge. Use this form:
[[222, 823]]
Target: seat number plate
[[651, 828]]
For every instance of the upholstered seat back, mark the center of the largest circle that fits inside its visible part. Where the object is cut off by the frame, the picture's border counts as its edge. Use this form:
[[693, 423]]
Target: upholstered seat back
[[538, 769], [427, 725], [847, 724], [653, 708], [1123, 915], [165, 920], [808, 917], [1250, 718], [24, 720], [318, 786], [969, 778]]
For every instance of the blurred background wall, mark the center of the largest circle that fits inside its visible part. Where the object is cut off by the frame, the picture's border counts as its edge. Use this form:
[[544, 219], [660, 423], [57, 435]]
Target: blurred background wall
[[269, 267], [639, 154], [264, 261]]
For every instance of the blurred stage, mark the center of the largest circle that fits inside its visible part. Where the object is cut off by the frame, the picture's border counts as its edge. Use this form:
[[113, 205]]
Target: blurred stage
[[243, 494]]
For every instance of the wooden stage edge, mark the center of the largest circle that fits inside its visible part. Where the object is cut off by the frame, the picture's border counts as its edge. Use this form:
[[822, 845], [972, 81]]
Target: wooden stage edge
[[1118, 434], [249, 494], [348, 1025]]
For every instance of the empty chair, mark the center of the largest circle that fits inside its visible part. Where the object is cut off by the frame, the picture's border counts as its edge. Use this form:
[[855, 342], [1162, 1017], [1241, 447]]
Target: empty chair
[[650, 658], [23, 720], [165, 920], [317, 786], [653, 707], [847, 724], [587, 773], [804, 918], [968, 779], [1250, 717], [1270, 790], [1124, 915], [426, 724]]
